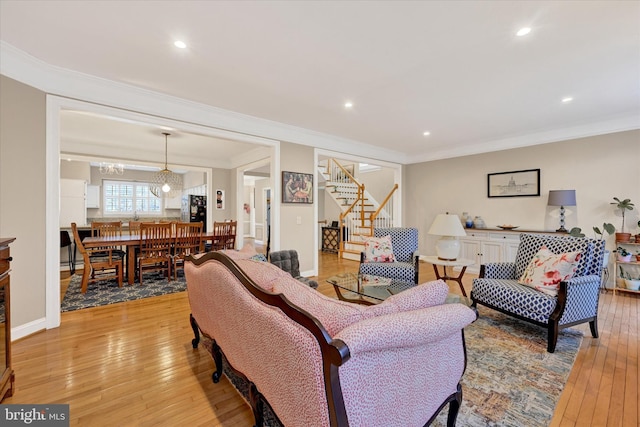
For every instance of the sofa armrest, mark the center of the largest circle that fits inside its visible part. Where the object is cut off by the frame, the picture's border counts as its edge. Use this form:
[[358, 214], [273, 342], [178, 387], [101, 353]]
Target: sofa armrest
[[406, 329], [428, 294], [498, 270]]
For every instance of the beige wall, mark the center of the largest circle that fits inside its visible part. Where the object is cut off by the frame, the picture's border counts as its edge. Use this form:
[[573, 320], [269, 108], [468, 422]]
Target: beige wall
[[598, 168], [298, 158], [22, 195]]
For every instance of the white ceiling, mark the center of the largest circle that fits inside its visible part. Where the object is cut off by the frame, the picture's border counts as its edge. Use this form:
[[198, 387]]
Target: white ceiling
[[454, 68]]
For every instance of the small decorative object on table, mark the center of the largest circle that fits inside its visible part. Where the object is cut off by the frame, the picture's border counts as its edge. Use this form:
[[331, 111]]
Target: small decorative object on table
[[508, 227], [478, 222]]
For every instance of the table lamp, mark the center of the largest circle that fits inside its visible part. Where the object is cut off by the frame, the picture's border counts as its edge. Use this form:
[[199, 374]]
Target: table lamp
[[562, 198], [449, 227]]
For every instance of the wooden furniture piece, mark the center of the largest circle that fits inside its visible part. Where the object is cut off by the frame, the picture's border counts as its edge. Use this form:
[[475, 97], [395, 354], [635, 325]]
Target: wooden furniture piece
[[134, 228], [224, 235], [316, 361], [156, 241], [630, 268], [99, 260], [109, 229], [330, 239], [188, 241], [7, 376], [459, 263], [132, 244]]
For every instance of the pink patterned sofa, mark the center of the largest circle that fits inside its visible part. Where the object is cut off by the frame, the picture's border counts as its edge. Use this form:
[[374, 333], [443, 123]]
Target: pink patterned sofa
[[316, 361]]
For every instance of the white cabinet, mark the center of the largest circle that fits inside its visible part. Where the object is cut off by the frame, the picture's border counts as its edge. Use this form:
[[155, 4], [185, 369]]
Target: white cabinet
[[173, 203], [485, 246], [73, 207], [93, 196]]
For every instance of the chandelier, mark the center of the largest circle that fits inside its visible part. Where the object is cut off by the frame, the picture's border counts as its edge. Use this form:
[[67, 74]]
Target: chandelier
[[166, 183], [111, 168]]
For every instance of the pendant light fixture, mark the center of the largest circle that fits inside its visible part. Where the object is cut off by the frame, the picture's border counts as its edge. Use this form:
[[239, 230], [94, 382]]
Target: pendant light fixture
[[166, 183], [111, 168]]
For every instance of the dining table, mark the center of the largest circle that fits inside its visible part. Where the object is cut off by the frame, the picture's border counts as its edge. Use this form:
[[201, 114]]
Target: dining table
[[130, 242]]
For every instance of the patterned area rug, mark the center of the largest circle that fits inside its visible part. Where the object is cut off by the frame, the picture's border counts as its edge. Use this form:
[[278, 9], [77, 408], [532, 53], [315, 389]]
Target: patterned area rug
[[108, 292], [510, 379]]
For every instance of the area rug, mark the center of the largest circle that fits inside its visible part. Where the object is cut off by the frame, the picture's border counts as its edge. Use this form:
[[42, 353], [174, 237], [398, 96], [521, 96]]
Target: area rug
[[107, 292], [510, 379]]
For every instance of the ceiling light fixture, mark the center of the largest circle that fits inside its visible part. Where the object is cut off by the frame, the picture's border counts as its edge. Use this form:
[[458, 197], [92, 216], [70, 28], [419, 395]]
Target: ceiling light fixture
[[348, 104], [166, 183], [426, 133], [111, 168], [180, 44], [523, 31], [567, 99]]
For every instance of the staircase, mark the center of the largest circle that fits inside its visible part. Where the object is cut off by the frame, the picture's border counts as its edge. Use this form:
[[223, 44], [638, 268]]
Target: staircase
[[361, 213]]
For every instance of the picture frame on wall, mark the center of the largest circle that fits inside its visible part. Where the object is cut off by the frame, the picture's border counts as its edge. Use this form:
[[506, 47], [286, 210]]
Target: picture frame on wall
[[297, 187], [219, 199], [523, 183]]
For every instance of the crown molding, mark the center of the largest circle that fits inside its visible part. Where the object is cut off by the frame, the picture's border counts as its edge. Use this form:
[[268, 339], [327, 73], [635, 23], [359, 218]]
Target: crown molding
[[54, 80]]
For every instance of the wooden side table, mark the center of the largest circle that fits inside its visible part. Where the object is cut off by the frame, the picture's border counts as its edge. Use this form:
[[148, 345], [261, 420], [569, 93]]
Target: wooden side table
[[464, 263]]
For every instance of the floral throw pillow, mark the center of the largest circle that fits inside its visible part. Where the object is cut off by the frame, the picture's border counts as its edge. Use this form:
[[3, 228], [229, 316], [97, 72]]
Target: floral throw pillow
[[546, 270], [378, 249]]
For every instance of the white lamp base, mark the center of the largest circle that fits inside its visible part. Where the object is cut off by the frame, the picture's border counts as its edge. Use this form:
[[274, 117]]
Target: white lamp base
[[448, 248]]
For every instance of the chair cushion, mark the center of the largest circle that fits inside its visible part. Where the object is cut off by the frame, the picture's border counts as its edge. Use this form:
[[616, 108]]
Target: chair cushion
[[546, 270], [513, 297], [398, 270], [378, 249]]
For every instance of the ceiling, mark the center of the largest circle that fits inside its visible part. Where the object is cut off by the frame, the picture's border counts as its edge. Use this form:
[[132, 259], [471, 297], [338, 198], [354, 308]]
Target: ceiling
[[453, 68]]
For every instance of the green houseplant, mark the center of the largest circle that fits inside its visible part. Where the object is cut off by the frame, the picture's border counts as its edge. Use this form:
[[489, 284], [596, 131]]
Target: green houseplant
[[599, 234], [623, 206], [631, 281]]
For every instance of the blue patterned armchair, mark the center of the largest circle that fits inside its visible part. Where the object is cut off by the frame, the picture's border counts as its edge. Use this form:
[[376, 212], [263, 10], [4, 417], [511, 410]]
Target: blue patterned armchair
[[405, 251], [577, 301]]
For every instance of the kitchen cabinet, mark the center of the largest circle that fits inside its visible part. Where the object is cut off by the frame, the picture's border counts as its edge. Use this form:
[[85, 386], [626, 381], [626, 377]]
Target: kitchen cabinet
[[73, 204], [93, 196], [173, 203]]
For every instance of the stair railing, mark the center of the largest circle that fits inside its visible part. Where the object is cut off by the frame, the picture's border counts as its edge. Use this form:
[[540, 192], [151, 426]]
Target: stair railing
[[388, 220]]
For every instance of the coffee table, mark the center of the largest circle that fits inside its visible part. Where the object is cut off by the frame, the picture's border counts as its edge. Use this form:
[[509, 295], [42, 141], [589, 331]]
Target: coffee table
[[365, 288]]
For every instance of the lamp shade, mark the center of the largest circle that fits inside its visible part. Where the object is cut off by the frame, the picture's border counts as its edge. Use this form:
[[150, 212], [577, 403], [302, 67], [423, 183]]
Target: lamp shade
[[447, 225], [562, 198]]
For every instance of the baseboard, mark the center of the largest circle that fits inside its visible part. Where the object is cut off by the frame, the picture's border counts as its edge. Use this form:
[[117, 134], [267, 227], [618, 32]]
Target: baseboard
[[28, 328]]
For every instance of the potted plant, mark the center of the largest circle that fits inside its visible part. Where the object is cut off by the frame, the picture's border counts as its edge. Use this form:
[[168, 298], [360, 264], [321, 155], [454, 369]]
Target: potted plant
[[623, 206], [623, 254], [599, 234], [631, 282]]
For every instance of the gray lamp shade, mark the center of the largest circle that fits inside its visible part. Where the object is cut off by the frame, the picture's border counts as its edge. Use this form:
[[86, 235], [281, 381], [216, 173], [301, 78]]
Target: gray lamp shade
[[562, 198]]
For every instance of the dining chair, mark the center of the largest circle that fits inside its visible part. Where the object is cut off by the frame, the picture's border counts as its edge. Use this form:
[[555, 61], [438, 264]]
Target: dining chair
[[155, 248], [108, 229], [97, 262], [224, 235], [134, 228], [188, 241]]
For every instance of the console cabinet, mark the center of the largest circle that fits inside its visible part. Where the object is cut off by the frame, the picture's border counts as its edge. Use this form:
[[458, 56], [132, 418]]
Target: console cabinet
[[485, 246], [7, 376]]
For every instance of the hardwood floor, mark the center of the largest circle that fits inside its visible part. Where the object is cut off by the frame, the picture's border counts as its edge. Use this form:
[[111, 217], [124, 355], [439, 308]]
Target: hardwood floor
[[132, 364]]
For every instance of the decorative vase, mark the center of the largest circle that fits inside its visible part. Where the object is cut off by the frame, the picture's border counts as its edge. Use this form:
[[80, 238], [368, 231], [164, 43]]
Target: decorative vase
[[469, 222], [478, 222]]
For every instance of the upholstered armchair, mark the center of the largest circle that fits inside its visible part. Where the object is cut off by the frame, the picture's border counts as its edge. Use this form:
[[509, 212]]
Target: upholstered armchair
[[404, 245], [288, 261], [577, 298]]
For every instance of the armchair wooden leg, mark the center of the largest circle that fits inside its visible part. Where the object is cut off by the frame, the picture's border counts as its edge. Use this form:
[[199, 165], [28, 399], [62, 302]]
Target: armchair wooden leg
[[552, 336], [196, 332], [593, 325]]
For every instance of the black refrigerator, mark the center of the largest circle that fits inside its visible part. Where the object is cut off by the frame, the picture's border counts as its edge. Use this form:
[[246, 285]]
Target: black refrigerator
[[194, 209]]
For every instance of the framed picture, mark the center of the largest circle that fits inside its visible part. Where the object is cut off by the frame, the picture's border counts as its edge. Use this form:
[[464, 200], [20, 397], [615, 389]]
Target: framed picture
[[219, 199], [524, 183], [297, 187]]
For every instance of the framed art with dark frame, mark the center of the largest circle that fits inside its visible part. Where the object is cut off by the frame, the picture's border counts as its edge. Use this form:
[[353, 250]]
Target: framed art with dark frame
[[524, 183], [297, 187]]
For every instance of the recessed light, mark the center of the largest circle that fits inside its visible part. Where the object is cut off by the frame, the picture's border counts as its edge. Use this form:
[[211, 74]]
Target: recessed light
[[523, 31], [180, 44], [567, 99], [426, 133], [348, 104]]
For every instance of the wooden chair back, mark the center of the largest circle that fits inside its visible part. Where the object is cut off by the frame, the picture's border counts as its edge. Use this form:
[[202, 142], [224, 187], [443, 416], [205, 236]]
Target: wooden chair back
[[108, 229], [134, 228], [156, 241], [188, 241], [97, 260], [224, 235]]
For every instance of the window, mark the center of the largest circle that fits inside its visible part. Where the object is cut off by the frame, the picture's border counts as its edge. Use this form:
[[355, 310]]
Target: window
[[127, 198]]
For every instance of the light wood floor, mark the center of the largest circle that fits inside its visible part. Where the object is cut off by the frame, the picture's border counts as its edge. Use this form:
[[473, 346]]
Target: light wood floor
[[132, 364]]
